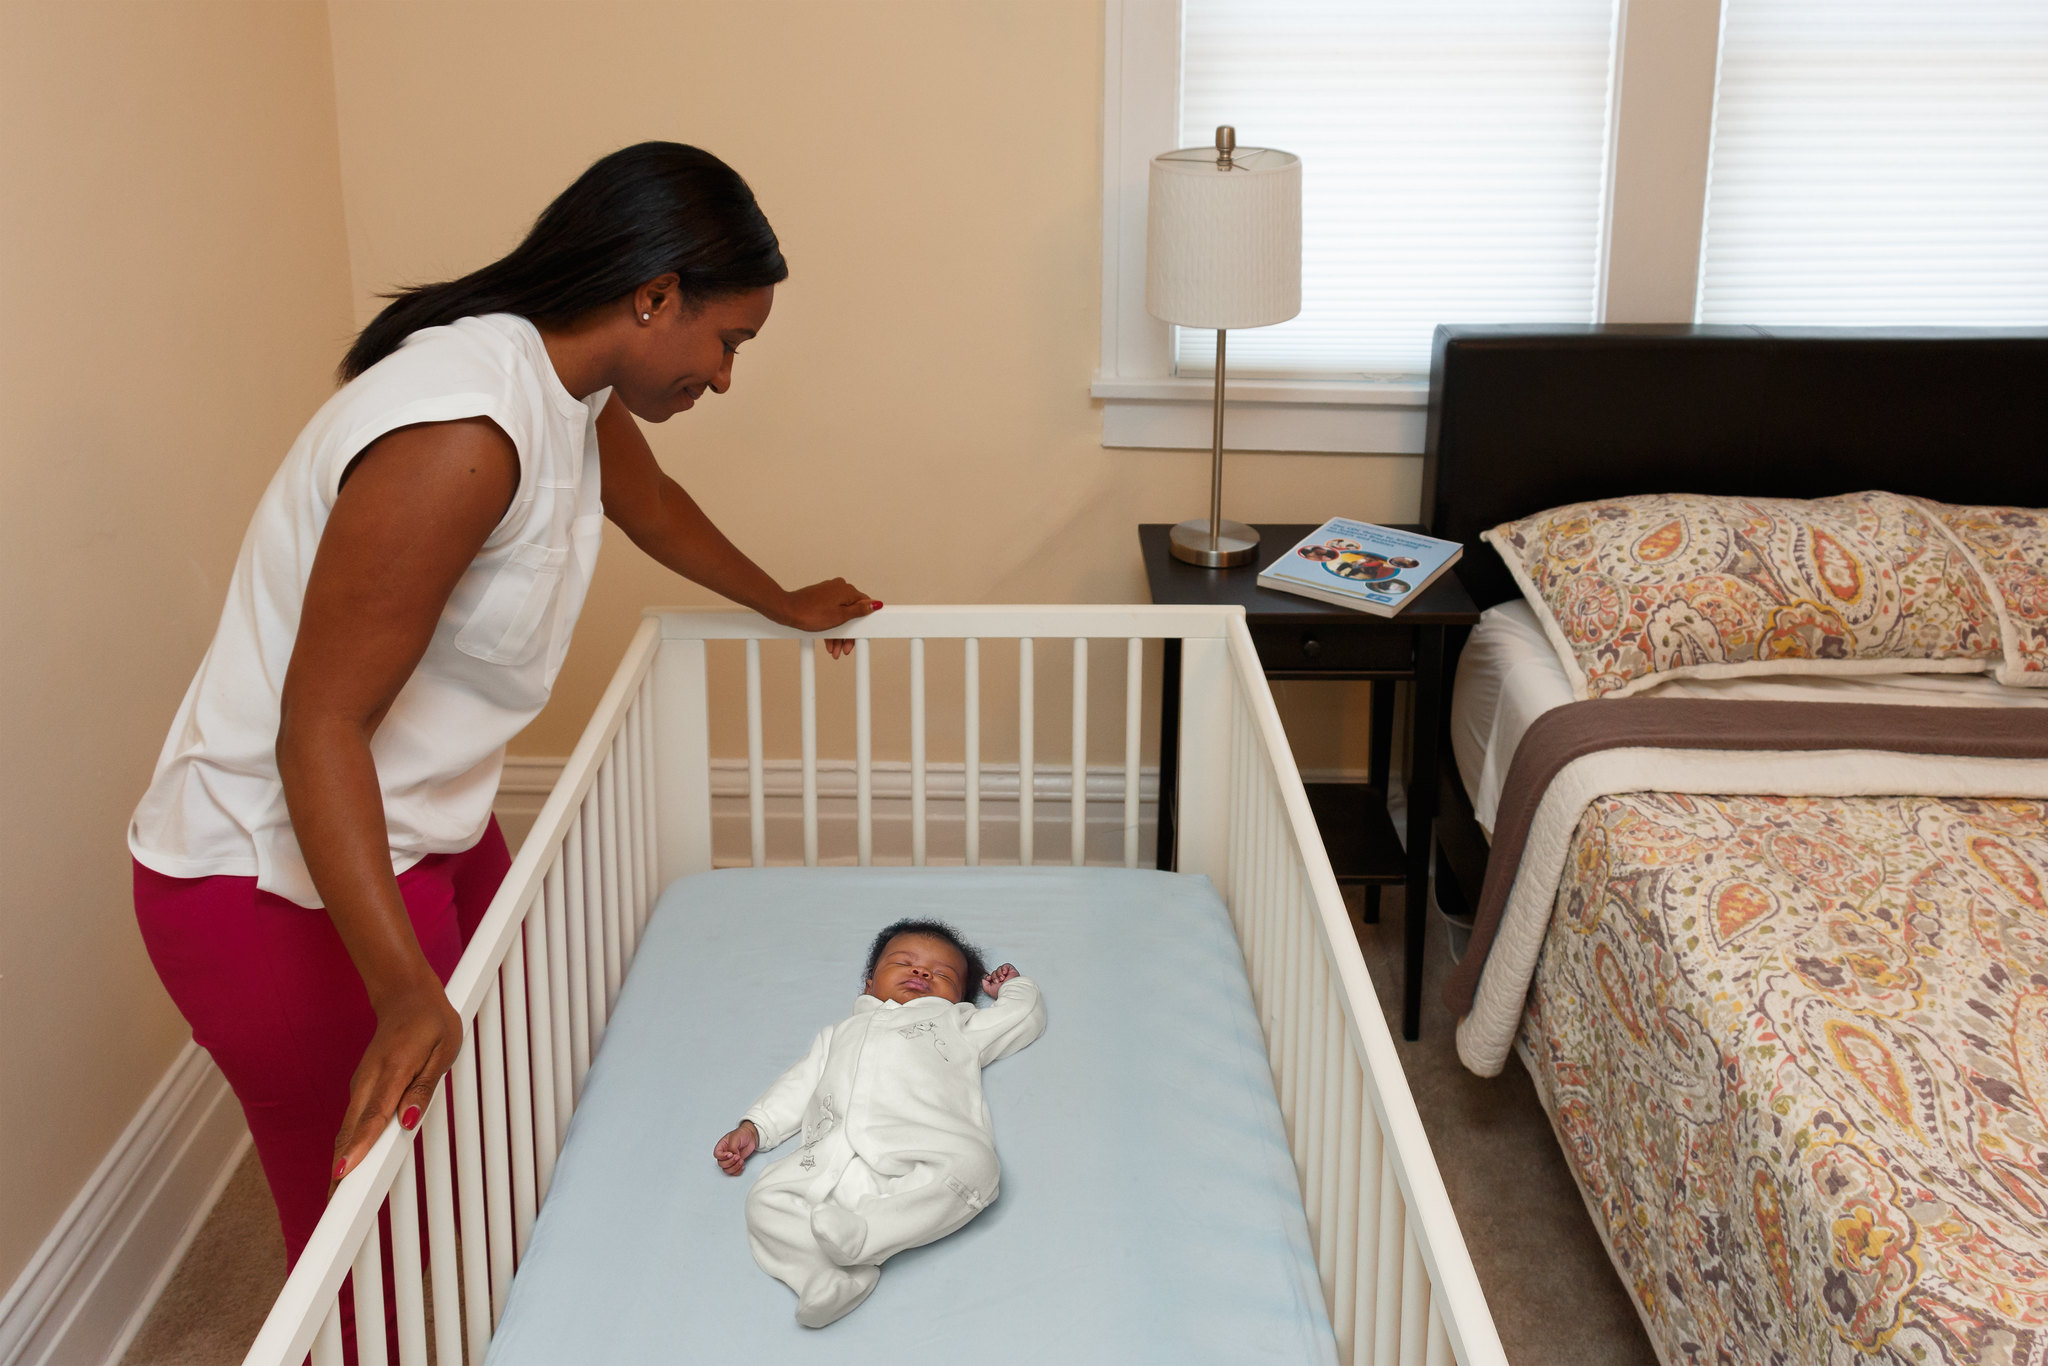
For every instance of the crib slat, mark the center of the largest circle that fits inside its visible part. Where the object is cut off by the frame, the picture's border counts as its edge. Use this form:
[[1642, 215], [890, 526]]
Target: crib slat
[[863, 755], [611, 824], [576, 921], [623, 785], [540, 1043], [469, 1184], [519, 1081], [368, 1274], [757, 791], [562, 1073], [1414, 1302], [608, 882], [1387, 1294], [1438, 1351], [594, 919], [1315, 1061], [627, 748], [490, 1064], [973, 738], [1027, 778], [807, 689], [327, 1345], [917, 779], [1134, 673], [636, 807], [1330, 1105], [1240, 909], [435, 1149], [407, 1289], [1080, 760], [643, 765], [1365, 1298], [1344, 1264], [643, 821]]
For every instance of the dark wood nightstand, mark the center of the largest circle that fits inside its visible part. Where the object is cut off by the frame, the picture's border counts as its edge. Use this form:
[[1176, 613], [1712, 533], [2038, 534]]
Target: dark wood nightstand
[[1300, 638]]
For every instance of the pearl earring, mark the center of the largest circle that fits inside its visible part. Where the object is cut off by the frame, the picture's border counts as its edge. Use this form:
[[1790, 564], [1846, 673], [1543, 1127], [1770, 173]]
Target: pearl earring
[[646, 317]]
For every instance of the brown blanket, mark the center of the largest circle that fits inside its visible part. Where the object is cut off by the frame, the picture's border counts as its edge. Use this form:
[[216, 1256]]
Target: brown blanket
[[1577, 729]]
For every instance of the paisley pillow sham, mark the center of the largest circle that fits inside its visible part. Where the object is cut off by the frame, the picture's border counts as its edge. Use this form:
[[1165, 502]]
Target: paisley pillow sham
[[1634, 591], [2009, 547]]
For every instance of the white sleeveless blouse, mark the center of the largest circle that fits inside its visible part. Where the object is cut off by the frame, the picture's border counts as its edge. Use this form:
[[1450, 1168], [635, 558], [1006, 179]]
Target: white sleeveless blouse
[[215, 805]]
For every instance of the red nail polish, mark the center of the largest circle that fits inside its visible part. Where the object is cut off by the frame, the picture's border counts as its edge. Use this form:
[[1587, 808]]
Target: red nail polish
[[875, 605], [340, 1169], [410, 1119]]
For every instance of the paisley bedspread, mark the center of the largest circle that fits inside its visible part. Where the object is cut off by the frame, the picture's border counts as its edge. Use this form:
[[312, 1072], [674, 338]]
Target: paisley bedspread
[[1796, 1049]]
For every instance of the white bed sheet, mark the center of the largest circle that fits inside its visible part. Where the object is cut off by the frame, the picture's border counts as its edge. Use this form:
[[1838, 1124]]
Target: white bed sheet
[[1149, 1211], [1509, 675]]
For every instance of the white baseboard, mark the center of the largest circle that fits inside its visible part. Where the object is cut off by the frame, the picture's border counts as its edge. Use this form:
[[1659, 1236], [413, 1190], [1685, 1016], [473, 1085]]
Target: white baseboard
[[85, 1294], [528, 780]]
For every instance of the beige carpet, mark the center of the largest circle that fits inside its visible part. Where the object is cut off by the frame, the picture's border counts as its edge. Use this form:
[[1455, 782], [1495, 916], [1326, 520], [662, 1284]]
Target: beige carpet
[[210, 1312], [1554, 1295]]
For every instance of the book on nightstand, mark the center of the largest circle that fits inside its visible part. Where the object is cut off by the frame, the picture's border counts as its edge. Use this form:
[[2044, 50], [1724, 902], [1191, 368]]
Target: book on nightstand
[[1359, 565]]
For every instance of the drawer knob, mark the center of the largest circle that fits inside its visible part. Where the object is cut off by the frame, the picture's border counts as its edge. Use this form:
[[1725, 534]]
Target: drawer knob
[[1311, 647]]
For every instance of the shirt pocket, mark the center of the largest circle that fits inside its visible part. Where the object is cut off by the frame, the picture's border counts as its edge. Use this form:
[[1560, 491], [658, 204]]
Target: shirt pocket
[[505, 628]]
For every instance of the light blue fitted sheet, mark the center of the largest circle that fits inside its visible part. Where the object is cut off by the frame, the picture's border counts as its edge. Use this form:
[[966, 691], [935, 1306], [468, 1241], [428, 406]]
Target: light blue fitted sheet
[[1149, 1210]]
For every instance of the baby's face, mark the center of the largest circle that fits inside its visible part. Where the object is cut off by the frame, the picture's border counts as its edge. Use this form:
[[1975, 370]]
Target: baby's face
[[916, 966]]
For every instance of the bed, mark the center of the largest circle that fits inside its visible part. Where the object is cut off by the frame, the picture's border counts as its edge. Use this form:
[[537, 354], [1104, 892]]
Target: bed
[[1769, 945], [568, 1147]]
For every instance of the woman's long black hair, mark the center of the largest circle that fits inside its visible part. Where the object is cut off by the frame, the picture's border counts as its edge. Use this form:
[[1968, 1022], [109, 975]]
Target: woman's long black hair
[[639, 213]]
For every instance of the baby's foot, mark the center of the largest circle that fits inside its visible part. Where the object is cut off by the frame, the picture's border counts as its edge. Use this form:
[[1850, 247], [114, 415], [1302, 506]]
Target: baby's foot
[[841, 1233], [832, 1294]]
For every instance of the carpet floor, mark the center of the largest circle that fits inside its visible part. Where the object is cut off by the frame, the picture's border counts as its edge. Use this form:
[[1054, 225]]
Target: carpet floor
[[1554, 1295]]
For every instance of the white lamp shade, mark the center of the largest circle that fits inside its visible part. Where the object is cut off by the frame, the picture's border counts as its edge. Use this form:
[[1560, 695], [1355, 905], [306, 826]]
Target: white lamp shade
[[1223, 244]]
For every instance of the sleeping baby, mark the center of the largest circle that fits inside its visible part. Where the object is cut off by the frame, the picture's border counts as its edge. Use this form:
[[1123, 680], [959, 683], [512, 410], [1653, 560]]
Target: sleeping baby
[[897, 1150]]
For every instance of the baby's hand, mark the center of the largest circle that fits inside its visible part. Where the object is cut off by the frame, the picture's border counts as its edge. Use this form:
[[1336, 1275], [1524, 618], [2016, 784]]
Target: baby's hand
[[736, 1147], [993, 983]]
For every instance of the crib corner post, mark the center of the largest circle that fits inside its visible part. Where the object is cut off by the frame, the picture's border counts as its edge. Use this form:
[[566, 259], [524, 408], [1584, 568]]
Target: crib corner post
[[682, 738], [1202, 785]]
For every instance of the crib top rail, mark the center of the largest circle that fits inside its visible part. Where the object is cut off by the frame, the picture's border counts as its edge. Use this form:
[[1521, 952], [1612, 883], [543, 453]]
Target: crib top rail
[[960, 622]]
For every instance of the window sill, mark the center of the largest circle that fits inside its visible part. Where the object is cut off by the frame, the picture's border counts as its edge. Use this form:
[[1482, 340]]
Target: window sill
[[1383, 417]]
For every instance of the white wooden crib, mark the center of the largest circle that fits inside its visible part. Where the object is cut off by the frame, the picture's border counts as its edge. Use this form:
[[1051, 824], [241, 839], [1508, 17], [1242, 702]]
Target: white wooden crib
[[632, 812]]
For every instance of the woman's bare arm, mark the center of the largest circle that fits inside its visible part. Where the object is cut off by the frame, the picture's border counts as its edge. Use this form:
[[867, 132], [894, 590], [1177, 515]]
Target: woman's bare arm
[[662, 519], [413, 512]]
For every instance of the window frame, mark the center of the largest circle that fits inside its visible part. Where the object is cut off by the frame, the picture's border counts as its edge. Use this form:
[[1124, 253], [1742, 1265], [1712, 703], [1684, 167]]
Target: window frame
[[1653, 204]]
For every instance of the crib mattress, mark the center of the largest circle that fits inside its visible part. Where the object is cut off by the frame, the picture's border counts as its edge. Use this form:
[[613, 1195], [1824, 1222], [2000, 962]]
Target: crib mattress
[[1149, 1208]]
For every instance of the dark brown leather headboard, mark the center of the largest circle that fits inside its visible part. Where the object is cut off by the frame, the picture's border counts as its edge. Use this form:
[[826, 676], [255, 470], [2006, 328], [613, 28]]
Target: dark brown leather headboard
[[1526, 418]]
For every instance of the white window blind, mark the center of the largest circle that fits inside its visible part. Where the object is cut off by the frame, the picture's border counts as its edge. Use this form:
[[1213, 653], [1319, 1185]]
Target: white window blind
[[1453, 159], [1879, 162]]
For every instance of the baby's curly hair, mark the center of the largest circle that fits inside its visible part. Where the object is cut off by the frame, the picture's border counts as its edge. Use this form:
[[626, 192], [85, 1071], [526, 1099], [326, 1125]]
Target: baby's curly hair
[[970, 990]]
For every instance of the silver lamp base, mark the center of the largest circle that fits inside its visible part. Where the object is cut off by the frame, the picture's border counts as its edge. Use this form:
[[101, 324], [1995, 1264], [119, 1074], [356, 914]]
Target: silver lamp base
[[1236, 543]]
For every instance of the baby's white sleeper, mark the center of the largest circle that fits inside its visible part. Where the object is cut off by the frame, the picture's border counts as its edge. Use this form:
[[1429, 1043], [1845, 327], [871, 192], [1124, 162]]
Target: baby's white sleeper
[[898, 1150]]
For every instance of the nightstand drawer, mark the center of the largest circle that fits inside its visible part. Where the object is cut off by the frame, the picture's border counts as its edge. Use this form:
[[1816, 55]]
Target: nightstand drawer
[[1342, 648]]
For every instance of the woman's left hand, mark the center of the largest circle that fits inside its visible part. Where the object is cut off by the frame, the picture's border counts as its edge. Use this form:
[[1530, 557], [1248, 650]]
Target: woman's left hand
[[823, 606]]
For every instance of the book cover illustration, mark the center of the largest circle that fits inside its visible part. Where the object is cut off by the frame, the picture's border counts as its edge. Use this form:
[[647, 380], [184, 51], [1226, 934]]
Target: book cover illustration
[[1360, 564]]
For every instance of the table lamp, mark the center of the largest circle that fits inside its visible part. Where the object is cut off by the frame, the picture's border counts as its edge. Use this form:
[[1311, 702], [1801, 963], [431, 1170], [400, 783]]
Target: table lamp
[[1222, 250]]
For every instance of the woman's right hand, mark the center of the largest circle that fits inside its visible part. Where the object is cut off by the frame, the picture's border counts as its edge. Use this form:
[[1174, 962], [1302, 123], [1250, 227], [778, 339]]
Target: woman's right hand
[[418, 1035]]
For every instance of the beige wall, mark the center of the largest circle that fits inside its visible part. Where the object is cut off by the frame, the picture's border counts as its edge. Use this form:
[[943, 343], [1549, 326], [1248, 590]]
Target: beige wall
[[174, 283], [197, 203], [916, 414]]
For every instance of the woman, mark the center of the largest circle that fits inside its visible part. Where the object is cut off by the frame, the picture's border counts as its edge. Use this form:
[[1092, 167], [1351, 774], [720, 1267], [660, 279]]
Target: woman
[[400, 607]]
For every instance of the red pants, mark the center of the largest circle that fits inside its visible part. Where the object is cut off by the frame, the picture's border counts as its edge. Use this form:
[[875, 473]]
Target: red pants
[[270, 992]]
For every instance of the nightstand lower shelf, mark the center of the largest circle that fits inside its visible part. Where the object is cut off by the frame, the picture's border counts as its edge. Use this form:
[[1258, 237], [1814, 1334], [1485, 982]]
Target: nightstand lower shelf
[[1358, 833], [1360, 838]]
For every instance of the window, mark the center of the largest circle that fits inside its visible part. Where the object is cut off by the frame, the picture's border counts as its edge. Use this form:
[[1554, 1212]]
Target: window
[[1457, 167], [1879, 162], [1453, 154]]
